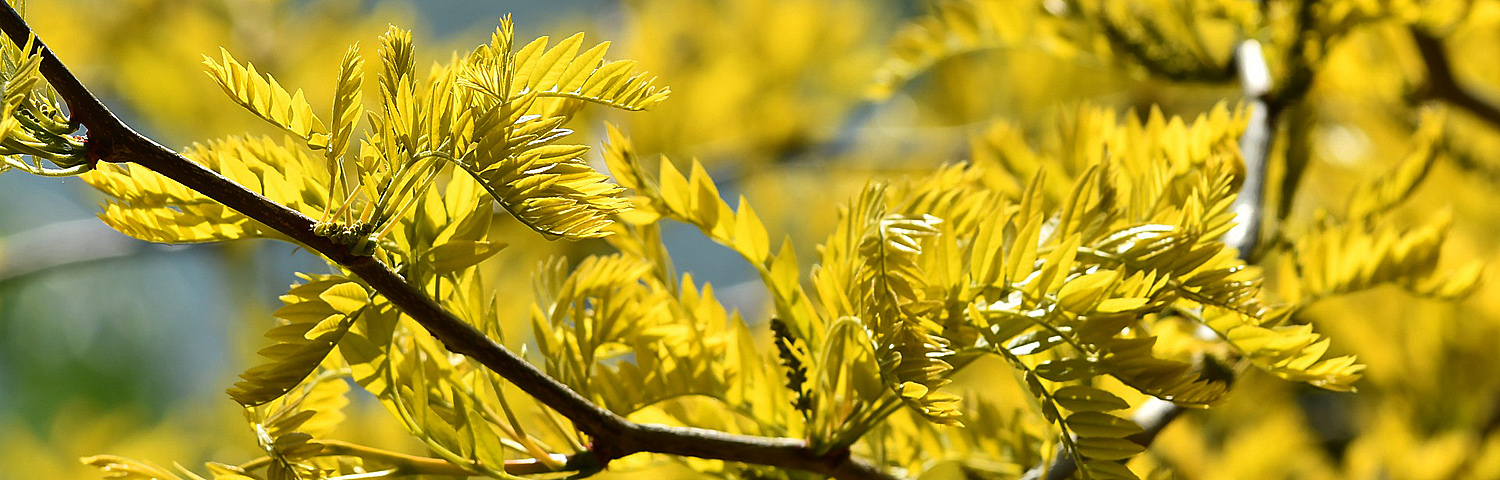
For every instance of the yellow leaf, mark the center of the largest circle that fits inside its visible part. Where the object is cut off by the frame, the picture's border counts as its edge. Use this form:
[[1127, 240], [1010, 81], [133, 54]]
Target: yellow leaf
[[1020, 261], [265, 98], [563, 72], [1056, 266], [912, 390], [750, 237], [1108, 470], [347, 102], [674, 188], [345, 298], [1117, 305], [152, 207], [456, 255], [121, 468], [1083, 293], [323, 306], [784, 270]]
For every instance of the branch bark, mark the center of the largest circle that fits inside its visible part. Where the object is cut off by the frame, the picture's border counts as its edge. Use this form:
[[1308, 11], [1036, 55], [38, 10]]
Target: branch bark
[[110, 140]]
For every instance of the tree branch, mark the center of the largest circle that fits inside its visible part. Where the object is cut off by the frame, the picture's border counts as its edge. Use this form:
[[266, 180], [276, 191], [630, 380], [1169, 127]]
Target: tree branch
[[109, 139], [1255, 149], [1441, 84]]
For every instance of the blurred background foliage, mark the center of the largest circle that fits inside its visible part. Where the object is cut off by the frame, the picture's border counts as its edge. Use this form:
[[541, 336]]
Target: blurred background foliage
[[108, 345]]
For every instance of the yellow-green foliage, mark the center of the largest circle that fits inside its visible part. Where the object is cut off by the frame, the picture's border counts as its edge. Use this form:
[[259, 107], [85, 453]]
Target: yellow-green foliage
[[152, 207], [32, 123], [991, 285]]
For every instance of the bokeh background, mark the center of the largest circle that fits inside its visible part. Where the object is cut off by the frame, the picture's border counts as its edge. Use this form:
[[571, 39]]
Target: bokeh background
[[110, 345]]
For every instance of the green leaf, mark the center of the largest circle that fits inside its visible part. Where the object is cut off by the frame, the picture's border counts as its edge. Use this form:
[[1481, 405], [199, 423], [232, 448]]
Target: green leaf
[[1105, 448], [1065, 370], [1099, 424], [1079, 398], [488, 449], [1108, 470]]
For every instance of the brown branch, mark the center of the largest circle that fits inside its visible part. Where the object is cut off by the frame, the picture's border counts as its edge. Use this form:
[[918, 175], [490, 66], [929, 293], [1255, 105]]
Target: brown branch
[[111, 140], [1442, 85]]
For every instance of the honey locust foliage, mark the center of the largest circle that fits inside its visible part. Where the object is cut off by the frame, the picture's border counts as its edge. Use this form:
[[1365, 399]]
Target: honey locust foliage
[[495, 115], [416, 193], [1085, 260], [32, 123]]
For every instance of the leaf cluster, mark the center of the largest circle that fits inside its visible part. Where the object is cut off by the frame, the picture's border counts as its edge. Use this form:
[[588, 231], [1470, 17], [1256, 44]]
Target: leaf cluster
[[1085, 260]]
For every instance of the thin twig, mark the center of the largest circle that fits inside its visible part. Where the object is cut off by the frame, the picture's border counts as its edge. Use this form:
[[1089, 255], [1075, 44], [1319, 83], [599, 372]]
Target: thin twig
[[1441, 84], [111, 140]]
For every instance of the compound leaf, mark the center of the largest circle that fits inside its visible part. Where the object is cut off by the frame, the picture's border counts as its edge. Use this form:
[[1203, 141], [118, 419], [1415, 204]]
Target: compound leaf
[[266, 98], [316, 315]]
